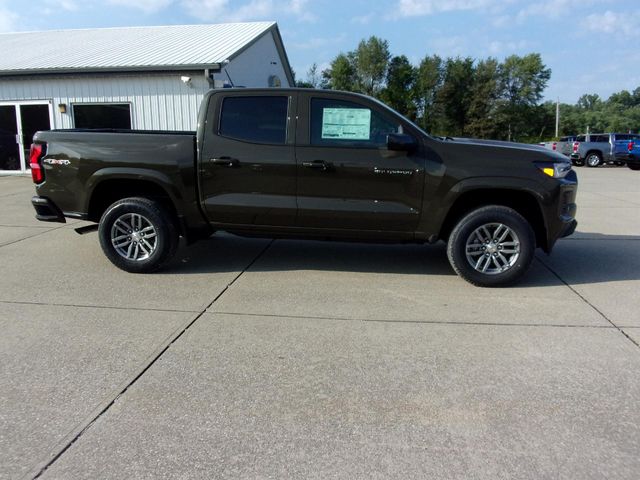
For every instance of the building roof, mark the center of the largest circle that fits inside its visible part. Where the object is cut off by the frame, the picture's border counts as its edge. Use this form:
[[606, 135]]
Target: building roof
[[173, 47]]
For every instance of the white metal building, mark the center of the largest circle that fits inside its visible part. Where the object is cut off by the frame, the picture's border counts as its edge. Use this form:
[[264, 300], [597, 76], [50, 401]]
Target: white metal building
[[137, 77]]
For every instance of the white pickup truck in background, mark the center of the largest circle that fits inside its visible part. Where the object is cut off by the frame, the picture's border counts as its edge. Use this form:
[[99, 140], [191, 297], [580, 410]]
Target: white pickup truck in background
[[562, 146]]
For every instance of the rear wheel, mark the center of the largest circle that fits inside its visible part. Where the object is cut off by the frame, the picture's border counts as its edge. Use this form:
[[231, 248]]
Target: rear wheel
[[137, 235], [634, 167], [492, 246], [593, 159]]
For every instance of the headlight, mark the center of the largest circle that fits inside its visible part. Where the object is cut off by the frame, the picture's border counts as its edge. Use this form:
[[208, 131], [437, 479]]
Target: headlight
[[554, 170]]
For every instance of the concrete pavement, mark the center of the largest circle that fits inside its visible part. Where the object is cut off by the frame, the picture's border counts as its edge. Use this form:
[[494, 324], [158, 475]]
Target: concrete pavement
[[285, 359]]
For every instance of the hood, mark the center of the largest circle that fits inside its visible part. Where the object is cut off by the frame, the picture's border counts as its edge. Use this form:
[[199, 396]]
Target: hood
[[493, 144]]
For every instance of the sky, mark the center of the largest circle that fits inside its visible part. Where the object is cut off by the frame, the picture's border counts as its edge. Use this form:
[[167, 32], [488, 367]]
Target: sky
[[590, 46]]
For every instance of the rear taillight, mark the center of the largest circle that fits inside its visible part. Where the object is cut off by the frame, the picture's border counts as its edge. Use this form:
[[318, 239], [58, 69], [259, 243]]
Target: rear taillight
[[575, 146], [630, 146], [35, 156], [554, 146]]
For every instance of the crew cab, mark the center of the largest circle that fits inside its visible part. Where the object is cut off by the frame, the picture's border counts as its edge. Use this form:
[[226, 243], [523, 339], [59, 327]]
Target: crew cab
[[307, 163], [598, 148], [628, 151]]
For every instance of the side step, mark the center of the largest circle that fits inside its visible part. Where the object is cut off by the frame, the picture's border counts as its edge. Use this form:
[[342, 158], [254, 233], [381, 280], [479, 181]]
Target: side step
[[86, 229]]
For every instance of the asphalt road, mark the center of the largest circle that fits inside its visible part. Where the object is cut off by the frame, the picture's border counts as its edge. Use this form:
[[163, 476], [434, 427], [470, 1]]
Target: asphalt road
[[286, 359]]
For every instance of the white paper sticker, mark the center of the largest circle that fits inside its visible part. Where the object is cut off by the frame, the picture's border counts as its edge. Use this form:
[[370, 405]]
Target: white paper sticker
[[346, 123]]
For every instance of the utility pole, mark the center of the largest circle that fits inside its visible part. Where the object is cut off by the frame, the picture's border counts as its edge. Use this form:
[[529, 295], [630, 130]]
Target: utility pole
[[558, 118]]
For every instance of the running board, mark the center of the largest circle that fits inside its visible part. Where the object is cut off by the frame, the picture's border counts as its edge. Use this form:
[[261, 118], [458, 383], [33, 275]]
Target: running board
[[86, 229]]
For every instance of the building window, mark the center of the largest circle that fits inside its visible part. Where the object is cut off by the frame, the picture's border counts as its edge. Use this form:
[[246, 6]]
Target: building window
[[105, 115], [255, 119]]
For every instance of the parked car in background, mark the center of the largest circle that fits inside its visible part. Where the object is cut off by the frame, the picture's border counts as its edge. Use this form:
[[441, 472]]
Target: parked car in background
[[628, 151], [562, 146], [549, 145], [598, 148], [565, 144]]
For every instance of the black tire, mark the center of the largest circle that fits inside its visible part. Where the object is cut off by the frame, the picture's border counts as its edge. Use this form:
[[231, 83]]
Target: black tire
[[593, 159], [634, 167], [154, 219], [522, 237]]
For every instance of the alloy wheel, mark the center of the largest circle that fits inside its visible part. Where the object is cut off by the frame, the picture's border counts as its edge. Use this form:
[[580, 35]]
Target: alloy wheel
[[492, 248], [134, 237]]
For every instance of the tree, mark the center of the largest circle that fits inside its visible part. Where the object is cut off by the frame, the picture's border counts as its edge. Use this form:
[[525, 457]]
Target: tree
[[341, 74], [455, 94], [484, 96], [589, 102], [523, 80], [313, 76], [371, 61], [425, 89], [401, 77]]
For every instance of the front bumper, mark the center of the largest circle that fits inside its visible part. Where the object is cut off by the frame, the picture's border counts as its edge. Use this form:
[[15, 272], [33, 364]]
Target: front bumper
[[46, 210], [632, 160], [569, 228]]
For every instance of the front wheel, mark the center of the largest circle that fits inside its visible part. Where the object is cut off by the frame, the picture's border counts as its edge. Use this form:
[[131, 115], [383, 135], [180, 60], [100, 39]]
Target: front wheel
[[492, 246], [593, 160], [137, 235]]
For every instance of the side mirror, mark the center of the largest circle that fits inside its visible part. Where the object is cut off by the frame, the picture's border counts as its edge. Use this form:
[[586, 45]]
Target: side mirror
[[401, 142]]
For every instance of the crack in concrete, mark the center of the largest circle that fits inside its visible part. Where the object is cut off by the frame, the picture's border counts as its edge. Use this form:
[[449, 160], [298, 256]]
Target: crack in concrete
[[426, 322], [106, 307], [579, 295], [72, 438]]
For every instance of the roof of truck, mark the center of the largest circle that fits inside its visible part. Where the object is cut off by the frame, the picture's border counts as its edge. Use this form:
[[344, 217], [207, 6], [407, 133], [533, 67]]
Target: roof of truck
[[171, 47]]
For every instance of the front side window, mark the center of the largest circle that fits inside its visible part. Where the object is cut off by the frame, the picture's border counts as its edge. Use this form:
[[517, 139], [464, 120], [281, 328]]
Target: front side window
[[342, 123], [106, 115], [255, 119]]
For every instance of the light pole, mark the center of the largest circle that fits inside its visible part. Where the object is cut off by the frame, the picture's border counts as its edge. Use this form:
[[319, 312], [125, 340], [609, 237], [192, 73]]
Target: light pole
[[558, 118]]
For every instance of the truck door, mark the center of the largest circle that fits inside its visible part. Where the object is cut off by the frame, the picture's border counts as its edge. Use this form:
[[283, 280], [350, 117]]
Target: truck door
[[347, 178], [247, 164]]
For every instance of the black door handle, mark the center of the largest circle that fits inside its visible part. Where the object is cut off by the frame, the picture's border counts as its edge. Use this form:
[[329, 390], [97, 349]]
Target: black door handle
[[317, 164], [225, 161]]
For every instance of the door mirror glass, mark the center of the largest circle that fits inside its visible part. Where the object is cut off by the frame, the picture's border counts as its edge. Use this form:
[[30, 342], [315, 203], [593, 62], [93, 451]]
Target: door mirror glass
[[401, 142]]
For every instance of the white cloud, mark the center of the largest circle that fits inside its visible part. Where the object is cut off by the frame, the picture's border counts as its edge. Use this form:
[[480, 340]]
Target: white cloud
[[625, 24], [417, 8], [227, 11], [556, 9], [67, 5], [8, 20], [363, 19], [317, 42], [453, 46], [147, 6], [498, 48]]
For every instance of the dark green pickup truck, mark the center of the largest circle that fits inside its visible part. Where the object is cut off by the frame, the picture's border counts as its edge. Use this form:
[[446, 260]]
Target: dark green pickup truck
[[307, 164]]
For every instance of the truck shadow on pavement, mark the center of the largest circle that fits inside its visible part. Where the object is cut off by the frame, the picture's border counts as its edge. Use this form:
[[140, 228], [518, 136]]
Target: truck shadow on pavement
[[587, 258]]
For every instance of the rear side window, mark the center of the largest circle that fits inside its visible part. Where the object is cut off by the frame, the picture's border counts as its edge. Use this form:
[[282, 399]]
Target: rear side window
[[600, 138], [580, 138], [255, 119], [342, 123]]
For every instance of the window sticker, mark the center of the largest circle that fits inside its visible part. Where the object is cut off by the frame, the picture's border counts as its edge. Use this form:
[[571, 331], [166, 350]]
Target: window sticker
[[346, 123]]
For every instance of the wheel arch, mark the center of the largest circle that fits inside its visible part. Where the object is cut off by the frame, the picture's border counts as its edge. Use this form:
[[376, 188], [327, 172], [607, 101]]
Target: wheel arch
[[107, 187], [524, 202]]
